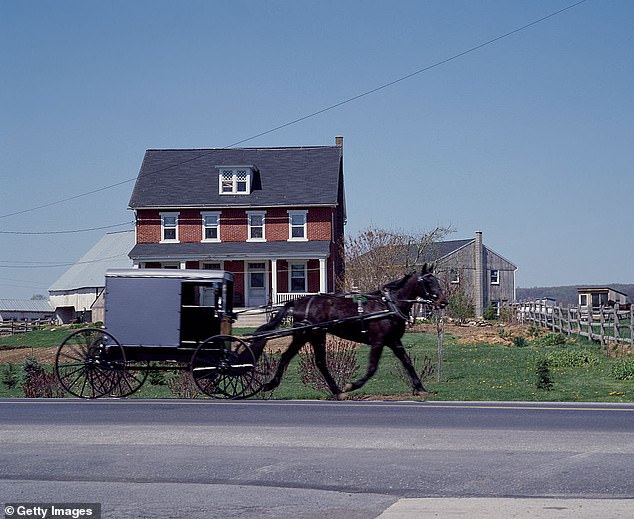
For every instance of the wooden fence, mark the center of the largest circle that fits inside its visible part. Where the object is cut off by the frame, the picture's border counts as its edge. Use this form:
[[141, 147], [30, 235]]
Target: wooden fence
[[13, 327], [606, 325]]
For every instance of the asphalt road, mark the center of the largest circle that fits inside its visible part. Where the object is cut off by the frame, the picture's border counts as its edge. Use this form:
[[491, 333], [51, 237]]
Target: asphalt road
[[162, 459]]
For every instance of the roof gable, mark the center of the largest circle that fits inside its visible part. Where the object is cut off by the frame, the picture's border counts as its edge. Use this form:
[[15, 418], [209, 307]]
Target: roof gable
[[284, 177]]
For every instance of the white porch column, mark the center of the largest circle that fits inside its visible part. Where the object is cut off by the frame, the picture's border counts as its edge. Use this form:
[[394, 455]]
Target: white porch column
[[323, 285], [274, 281], [183, 265]]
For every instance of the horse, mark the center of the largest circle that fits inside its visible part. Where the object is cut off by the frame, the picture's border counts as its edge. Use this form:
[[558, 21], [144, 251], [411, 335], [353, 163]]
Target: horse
[[352, 319]]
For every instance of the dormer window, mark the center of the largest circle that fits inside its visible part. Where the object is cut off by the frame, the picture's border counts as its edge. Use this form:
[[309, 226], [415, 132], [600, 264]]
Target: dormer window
[[235, 180]]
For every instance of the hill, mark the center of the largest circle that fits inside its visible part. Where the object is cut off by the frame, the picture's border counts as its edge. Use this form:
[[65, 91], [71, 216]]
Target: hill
[[567, 295]]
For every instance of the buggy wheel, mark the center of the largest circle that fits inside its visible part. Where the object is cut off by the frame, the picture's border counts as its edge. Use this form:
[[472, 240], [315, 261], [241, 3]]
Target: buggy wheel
[[90, 363], [224, 367], [131, 379]]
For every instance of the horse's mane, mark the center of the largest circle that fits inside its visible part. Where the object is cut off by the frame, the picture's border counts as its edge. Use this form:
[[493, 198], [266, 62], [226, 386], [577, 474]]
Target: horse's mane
[[399, 283]]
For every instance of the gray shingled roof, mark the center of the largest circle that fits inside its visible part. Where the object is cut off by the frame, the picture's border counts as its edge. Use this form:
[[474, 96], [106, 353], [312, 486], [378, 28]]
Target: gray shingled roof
[[111, 251], [198, 250], [284, 177], [25, 305]]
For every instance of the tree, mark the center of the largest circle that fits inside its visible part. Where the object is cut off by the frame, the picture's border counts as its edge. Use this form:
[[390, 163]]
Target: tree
[[376, 256]]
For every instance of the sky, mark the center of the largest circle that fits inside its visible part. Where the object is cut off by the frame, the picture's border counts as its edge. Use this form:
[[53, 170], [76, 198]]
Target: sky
[[525, 135]]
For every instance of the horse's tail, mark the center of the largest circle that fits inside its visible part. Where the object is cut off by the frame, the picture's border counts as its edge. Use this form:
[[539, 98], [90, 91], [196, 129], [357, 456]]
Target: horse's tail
[[258, 344], [276, 320]]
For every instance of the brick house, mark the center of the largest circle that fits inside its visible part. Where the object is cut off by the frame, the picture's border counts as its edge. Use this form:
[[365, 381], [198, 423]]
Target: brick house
[[274, 217]]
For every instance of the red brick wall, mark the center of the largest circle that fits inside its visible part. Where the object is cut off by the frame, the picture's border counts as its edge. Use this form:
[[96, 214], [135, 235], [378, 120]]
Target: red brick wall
[[237, 268], [148, 227], [319, 225], [276, 225], [233, 225], [190, 226]]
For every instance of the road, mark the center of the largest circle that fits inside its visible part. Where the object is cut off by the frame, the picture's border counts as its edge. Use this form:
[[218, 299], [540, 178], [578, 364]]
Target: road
[[353, 459]]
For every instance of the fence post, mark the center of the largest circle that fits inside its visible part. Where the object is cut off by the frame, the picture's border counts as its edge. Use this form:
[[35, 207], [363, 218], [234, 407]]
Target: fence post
[[632, 327]]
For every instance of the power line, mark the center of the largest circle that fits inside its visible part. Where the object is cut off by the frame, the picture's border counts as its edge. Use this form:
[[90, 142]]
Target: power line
[[72, 231], [53, 264], [321, 111]]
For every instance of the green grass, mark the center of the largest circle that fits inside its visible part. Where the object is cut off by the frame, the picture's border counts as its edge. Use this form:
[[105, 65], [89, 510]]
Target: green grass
[[470, 372]]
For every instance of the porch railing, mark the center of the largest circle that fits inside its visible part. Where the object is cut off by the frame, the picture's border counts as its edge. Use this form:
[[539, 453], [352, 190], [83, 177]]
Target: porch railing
[[284, 297]]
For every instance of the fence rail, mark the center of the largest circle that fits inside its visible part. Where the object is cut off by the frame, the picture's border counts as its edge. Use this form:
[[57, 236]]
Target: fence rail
[[607, 325], [13, 327]]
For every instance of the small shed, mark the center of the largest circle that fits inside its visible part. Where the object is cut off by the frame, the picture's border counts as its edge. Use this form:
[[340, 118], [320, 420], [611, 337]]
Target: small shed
[[600, 296], [25, 310]]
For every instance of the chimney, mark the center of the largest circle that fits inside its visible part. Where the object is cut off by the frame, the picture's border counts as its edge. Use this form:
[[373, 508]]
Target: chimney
[[479, 286], [339, 142]]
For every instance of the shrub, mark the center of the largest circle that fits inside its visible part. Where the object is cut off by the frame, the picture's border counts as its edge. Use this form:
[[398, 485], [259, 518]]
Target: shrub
[[571, 358], [460, 307], [542, 370], [520, 342], [424, 368], [552, 339], [10, 376], [623, 369], [182, 385], [38, 383], [490, 313], [341, 360]]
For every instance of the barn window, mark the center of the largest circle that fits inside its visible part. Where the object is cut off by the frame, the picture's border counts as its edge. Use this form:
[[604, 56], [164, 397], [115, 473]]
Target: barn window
[[495, 277]]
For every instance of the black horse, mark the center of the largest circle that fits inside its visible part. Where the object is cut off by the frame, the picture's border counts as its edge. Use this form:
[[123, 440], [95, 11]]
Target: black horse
[[378, 321]]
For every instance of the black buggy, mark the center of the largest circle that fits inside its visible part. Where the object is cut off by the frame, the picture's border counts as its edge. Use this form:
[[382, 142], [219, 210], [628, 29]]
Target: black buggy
[[162, 319]]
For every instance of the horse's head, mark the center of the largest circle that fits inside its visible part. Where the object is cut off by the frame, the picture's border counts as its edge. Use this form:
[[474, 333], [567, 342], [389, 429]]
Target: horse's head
[[430, 289]]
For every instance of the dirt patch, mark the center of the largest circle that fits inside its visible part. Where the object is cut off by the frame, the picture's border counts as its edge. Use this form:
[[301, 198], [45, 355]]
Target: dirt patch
[[17, 355]]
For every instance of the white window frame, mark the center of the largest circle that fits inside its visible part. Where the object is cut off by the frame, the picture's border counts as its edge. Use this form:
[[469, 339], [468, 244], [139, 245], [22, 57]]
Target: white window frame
[[204, 215], [303, 264], [495, 277], [229, 181], [163, 216], [251, 214], [304, 226], [454, 276]]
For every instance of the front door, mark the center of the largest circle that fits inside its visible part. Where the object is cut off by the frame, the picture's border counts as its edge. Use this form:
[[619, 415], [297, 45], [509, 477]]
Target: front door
[[256, 284]]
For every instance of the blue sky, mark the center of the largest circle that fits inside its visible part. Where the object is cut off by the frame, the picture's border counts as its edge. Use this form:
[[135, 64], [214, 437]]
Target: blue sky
[[528, 139]]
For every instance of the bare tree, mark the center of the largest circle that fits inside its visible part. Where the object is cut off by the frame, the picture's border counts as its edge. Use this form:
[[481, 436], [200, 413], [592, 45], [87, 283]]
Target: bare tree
[[376, 256]]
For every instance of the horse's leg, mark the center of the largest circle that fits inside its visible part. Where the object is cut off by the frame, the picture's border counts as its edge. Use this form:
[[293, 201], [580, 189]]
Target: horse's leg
[[402, 355], [318, 341], [292, 350], [375, 355]]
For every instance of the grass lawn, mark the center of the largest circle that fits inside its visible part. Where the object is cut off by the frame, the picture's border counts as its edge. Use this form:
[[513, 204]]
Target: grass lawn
[[470, 372]]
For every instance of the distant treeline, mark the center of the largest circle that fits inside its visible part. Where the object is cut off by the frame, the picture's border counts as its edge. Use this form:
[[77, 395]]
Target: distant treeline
[[567, 295]]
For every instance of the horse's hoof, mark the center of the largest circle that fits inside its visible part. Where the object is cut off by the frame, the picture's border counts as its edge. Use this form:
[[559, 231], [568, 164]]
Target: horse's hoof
[[347, 388], [340, 396]]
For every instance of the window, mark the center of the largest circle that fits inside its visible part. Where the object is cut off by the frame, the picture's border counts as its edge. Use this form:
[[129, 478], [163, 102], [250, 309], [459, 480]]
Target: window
[[583, 299], [297, 225], [211, 226], [495, 277], [256, 226], [169, 226], [298, 277], [210, 266], [454, 276], [235, 180]]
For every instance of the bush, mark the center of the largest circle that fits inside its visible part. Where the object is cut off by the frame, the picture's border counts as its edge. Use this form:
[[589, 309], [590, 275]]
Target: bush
[[623, 369], [490, 313], [542, 370], [520, 342], [460, 307], [38, 383], [182, 385], [552, 339], [424, 368], [10, 376], [571, 358], [341, 360]]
